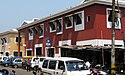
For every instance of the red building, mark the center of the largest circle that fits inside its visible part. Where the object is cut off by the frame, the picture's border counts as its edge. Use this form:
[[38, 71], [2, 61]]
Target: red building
[[82, 31]]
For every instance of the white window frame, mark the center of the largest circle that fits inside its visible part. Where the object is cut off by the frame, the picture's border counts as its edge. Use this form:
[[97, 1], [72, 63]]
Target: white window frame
[[30, 36], [80, 26], [42, 26], [50, 26], [71, 19], [38, 45], [29, 50], [109, 24], [60, 19]]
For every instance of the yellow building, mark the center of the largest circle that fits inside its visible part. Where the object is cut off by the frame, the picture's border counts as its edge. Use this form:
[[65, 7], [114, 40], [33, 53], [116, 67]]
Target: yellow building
[[9, 43]]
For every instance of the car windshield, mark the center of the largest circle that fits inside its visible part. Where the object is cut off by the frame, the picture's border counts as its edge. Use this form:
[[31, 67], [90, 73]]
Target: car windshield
[[75, 65]]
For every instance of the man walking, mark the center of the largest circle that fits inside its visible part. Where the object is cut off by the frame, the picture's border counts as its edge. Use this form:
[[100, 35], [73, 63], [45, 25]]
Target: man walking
[[28, 63]]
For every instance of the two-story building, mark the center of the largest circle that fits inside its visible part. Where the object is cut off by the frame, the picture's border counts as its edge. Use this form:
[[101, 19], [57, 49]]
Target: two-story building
[[83, 31], [9, 43]]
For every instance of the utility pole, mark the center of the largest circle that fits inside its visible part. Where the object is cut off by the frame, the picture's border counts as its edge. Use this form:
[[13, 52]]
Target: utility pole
[[123, 51], [113, 39]]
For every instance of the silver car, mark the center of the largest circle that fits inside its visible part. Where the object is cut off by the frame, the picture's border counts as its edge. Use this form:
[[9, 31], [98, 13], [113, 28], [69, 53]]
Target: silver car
[[17, 63]]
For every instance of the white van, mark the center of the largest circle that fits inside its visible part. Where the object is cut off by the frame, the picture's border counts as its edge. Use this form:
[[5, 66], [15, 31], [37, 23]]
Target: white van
[[64, 66], [37, 61]]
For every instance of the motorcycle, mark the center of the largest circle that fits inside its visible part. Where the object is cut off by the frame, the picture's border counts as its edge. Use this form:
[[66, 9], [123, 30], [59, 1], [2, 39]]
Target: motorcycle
[[6, 72], [97, 70]]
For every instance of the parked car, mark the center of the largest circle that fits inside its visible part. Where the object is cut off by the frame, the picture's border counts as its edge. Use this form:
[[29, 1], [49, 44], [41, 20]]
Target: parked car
[[17, 62], [2, 58], [37, 61], [64, 66], [8, 61]]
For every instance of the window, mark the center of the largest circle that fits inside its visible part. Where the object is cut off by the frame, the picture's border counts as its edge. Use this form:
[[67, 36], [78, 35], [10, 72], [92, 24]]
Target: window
[[45, 64], [109, 19], [7, 54], [30, 34], [35, 59], [75, 65], [88, 18], [29, 52], [61, 65], [59, 25], [68, 21], [41, 59], [38, 51], [4, 40], [52, 26], [52, 64], [41, 30], [17, 39], [1, 52], [78, 19], [35, 31], [18, 60], [16, 53]]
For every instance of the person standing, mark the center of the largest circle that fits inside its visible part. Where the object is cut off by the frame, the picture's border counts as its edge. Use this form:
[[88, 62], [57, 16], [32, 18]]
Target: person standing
[[88, 64], [36, 64], [28, 63]]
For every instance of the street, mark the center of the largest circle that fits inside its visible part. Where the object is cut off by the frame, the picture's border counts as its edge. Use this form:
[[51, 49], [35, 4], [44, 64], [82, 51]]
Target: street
[[19, 71]]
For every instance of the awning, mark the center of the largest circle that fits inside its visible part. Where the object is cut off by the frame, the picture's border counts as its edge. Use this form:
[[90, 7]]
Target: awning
[[85, 47]]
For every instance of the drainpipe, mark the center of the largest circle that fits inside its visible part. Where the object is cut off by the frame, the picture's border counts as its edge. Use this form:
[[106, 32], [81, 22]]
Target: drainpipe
[[18, 43]]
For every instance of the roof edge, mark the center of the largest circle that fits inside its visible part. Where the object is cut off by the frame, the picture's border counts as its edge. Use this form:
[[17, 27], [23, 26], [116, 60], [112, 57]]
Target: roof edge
[[87, 3]]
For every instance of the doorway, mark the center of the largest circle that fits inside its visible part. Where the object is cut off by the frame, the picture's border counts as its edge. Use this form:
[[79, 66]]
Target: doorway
[[38, 51], [50, 52]]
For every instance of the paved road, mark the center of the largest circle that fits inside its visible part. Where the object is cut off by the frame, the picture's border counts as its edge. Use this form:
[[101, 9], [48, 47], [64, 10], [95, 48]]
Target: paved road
[[19, 71]]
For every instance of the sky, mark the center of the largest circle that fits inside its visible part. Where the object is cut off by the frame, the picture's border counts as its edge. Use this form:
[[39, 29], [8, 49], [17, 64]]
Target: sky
[[14, 12]]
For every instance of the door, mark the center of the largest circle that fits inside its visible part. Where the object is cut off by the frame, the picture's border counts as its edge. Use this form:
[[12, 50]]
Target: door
[[41, 61], [60, 68], [39, 51], [50, 52], [52, 67]]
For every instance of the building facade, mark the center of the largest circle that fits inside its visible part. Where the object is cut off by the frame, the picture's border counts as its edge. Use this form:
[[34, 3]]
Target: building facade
[[83, 31], [9, 43]]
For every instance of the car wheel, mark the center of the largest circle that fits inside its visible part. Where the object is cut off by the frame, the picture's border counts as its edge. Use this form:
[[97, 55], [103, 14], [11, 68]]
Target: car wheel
[[15, 66]]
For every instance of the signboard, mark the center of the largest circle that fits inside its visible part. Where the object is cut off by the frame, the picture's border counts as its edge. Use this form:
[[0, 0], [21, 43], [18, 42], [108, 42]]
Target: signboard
[[48, 42]]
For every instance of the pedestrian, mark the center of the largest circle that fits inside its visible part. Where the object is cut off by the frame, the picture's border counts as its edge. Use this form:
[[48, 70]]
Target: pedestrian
[[28, 63], [88, 64], [37, 64]]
